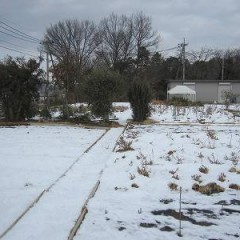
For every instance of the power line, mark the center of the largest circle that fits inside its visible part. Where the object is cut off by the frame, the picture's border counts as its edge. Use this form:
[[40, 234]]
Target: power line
[[15, 50], [168, 49], [18, 32], [13, 44], [17, 37]]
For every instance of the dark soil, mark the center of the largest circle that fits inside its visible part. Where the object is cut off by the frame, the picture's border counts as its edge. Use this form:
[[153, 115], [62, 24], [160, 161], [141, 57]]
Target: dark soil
[[166, 229], [207, 213], [148, 225], [166, 201], [174, 214], [225, 203]]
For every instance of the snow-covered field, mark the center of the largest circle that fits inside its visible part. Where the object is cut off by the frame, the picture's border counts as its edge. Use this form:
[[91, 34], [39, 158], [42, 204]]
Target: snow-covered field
[[170, 153]]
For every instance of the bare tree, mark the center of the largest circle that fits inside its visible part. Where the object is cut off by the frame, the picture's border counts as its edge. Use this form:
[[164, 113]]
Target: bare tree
[[117, 39], [144, 36], [72, 43], [124, 38]]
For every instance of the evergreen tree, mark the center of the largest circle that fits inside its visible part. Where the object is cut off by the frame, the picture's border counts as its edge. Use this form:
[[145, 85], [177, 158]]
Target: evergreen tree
[[101, 89], [19, 81], [139, 97]]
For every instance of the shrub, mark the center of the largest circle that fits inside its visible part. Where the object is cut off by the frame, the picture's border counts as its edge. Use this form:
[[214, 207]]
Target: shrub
[[234, 186], [203, 169], [123, 145], [139, 96], [208, 189], [179, 101], [101, 88], [173, 186], [143, 170], [45, 113]]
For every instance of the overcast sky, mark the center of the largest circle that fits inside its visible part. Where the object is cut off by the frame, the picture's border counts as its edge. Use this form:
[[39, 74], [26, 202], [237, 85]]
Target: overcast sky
[[204, 23]]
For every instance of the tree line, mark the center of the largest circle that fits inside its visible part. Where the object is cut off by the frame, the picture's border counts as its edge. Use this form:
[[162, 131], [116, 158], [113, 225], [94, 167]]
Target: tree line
[[103, 61]]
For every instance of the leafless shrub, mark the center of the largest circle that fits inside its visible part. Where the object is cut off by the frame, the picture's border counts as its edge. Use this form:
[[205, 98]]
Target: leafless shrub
[[132, 176], [143, 170], [173, 186], [222, 177], [213, 160], [234, 158], [200, 155], [123, 145], [203, 169], [173, 171], [212, 134], [197, 178], [144, 159], [175, 176], [179, 160]]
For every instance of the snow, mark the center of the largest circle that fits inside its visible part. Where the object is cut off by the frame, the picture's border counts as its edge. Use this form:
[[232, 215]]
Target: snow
[[171, 150]]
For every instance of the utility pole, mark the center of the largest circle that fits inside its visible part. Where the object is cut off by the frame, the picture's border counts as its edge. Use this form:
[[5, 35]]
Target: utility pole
[[183, 53], [223, 67]]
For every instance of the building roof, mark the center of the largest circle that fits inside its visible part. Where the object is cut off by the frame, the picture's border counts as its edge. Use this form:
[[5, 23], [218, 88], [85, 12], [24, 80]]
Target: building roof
[[203, 80], [180, 89]]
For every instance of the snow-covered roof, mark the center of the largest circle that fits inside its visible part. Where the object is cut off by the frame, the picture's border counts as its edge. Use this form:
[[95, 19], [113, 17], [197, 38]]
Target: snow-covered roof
[[180, 89]]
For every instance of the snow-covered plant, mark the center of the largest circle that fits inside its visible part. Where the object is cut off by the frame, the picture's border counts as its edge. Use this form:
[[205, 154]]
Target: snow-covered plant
[[197, 178], [200, 155], [212, 134], [173, 186], [124, 145], [132, 176], [214, 160], [144, 170], [203, 169], [222, 177]]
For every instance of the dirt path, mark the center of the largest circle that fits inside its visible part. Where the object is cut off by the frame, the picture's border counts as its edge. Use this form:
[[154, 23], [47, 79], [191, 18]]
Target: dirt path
[[55, 212]]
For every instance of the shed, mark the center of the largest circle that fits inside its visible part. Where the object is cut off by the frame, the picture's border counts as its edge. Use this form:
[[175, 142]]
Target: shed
[[182, 91]]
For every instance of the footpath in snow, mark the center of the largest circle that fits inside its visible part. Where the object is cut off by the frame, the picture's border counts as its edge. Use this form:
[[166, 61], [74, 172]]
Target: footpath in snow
[[56, 212]]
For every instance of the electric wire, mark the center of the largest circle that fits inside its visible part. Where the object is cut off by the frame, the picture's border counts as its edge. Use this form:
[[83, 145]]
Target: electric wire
[[18, 32], [17, 37], [15, 45], [15, 50]]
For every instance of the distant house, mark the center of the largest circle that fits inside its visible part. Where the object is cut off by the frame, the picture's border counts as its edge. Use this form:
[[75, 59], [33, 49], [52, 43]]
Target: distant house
[[209, 91]]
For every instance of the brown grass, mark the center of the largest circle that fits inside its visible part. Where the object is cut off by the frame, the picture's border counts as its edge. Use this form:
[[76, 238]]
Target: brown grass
[[123, 145], [173, 186], [203, 169], [208, 189], [234, 186], [143, 171]]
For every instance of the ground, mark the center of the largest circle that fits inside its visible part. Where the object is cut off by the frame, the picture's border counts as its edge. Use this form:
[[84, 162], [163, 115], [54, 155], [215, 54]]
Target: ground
[[142, 170]]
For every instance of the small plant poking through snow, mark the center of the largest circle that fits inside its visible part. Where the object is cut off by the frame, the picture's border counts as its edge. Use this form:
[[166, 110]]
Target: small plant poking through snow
[[234, 158], [144, 159], [222, 177], [213, 160], [132, 176], [123, 145], [173, 186], [203, 169], [197, 178], [200, 155], [144, 170], [212, 134]]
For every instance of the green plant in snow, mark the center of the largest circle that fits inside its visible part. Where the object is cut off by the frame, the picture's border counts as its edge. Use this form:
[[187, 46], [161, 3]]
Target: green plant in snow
[[139, 96]]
